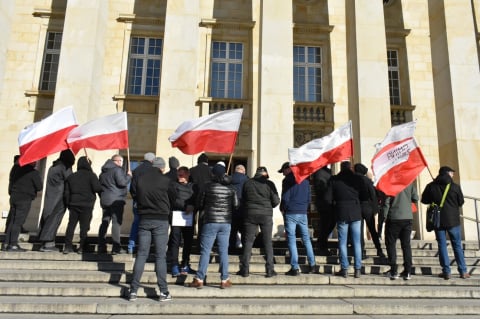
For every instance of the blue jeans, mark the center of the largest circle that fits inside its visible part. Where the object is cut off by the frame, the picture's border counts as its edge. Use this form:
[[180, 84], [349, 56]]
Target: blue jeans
[[456, 239], [210, 232], [134, 229], [291, 223], [157, 230], [354, 228]]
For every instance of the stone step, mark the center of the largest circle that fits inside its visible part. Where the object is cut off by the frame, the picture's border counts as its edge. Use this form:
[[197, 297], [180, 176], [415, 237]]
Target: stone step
[[232, 306]]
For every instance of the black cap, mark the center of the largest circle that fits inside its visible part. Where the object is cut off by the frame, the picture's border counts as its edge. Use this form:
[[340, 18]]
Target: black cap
[[261, 170], [284, 166], [445, 170]]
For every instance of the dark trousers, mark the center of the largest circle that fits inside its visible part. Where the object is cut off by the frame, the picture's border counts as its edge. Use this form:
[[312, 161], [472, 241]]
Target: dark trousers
[[176, 234], [156, 231], [368, 218], [399, 229], [251, 224], [326, 225], [237, 226], [17, 215], [112, 213], [82, 216], [49, 223]]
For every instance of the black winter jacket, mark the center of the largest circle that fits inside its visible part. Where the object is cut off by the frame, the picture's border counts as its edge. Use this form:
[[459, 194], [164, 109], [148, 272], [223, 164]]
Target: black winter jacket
[[24, 184], [218, 201], [259, 196], [433, 192], [137, 172], [82, 186], [114, 183], [155, 195]]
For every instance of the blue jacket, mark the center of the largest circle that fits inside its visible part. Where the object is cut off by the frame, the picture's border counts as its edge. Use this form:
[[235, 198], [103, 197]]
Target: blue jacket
[[295, 197]]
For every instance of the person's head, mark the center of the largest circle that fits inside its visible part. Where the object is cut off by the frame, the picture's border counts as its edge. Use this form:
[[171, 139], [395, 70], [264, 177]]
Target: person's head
[[285, 169], [345, 166], [183, 174], [218, 170], [203, 158], [118, 160], [261, 171], [159, 163], [149, 157], [16, 158], [84, 163], [67, 158], [446, 170], [173, 162], [360, 169], [240, 169]]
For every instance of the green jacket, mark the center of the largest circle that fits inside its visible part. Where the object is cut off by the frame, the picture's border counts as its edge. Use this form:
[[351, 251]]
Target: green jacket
[[400, 206]]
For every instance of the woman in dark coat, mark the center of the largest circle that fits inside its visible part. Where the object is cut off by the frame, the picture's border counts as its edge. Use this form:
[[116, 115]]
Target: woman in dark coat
[[80, 195]]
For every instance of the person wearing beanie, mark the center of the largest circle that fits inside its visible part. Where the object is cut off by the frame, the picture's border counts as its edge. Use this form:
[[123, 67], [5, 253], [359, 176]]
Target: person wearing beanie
[[218, 200], [259, 197], [144, 166], [54, 207], [155, 198], [173, 163], [449, 220], [345, 192], [369, 210]]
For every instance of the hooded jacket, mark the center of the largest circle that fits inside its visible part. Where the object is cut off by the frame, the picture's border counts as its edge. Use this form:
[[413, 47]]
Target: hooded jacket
[[259, 196], [24, 184], [433, 192], [114, 183], [82, 186]]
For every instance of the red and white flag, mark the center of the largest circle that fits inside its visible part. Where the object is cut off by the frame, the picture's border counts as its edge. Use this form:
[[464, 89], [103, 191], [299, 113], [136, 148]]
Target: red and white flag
[[46, 137], [312, 156], [216, 133], [105, 133], [398, 160]]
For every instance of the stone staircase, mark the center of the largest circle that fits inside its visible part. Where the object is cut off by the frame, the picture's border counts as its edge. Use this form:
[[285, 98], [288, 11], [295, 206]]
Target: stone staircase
[[54, 285]]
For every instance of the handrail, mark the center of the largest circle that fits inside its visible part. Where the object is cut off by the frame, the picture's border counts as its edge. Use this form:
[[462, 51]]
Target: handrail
[[476, 219]]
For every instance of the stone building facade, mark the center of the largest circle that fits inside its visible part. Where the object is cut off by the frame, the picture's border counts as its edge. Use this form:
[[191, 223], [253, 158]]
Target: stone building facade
[[298, 68]]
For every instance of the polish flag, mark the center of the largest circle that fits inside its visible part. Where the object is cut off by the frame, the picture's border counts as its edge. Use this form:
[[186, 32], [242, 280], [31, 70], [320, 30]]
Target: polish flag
[[312, 156], [105, 133], [216, 133], [398, 160], [40, 139]]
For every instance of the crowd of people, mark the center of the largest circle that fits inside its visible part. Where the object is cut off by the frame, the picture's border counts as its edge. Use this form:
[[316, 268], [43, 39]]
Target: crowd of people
[[231, 211]]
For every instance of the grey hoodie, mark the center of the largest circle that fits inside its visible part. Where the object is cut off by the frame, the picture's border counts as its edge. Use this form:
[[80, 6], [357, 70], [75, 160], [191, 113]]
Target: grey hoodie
[[114, 183]]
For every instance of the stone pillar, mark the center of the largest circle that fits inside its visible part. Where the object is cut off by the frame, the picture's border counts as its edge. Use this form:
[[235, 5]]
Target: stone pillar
[[6, 16], [275, 101], [179, 74], [457, 83], [369, 100]]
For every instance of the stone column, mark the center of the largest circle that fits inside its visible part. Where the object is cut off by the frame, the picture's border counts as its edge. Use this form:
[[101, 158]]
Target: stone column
[[179, 74], [457, 87], [368, 94]]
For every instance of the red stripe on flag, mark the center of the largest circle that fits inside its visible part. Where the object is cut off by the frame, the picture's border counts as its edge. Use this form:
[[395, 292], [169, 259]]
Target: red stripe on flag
[[337, 154], [116, 140], [44, 146], [215, 141]]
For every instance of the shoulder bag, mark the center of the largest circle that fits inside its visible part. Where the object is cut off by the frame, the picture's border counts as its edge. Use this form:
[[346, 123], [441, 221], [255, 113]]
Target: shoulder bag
[[433, 212]]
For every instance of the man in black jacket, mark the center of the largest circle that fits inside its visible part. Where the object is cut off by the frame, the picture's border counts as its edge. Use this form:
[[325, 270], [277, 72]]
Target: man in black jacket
[[259, 197], [25, 182], [155, 197]]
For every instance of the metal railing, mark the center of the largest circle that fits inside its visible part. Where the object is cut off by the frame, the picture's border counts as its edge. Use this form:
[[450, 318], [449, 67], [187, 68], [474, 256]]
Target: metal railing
[[476, 200]]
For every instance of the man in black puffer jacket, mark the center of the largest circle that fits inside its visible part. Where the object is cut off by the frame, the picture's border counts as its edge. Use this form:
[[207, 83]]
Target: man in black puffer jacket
[[218, 201], [259, 197], [80, 194]]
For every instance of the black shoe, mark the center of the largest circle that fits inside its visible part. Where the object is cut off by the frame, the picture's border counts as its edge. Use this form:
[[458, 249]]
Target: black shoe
[[313, 270], [46, 249], [4, 247], [15, 248], [342, 273], [358, 273], [380, 253], [243, 273], [68, 250], [271, 273], [293, 272]]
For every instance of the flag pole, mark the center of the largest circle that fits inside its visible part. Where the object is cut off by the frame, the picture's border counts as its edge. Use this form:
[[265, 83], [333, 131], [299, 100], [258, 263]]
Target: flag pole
[[229, 162], [128, 158]]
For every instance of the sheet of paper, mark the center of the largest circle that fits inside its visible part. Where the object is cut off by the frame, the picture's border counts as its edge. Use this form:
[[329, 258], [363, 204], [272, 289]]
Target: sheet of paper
[[181, 218]]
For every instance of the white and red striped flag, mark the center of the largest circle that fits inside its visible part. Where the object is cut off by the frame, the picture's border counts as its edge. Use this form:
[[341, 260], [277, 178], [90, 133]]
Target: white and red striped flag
[[46, 137], [398, 160], [216, 133], [310, 157], [105, 133]]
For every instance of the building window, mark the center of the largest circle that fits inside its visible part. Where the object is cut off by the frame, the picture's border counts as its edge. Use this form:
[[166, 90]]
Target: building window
[[145, 59], [307, 74], [227, 70], [50, 61], [393, 77]]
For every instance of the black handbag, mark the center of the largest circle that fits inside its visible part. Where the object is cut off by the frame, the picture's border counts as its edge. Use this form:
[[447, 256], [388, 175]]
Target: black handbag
[[433, 213]]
